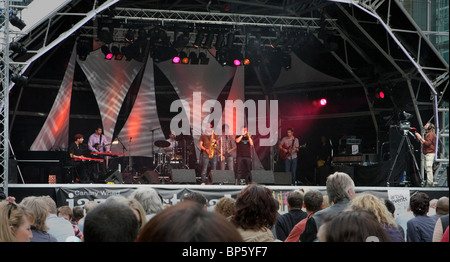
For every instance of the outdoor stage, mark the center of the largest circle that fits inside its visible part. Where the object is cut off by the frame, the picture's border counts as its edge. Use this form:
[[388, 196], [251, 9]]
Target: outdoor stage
[[79, 194]]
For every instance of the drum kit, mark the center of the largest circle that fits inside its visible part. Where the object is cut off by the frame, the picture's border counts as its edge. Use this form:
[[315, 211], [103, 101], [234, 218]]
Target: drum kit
[[175, 157]]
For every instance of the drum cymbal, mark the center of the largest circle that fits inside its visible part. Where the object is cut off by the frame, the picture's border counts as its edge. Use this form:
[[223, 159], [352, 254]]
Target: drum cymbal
[[162, 143]]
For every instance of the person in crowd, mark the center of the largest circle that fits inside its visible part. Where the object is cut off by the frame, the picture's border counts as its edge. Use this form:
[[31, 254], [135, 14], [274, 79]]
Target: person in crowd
[[187, 221], [441, 207], [39, 227], [445, 236], [78, 213], [111, 221], [286, 222], [313, 202], [340, 190], [196, 197], [226, 206], [87, 207], [391, 208], [421, 227], [67, 213], [384, 217], [354, 224], [135, 206], [150, 199], [15, 222], [441, 223], [58, 226], [256, 213]]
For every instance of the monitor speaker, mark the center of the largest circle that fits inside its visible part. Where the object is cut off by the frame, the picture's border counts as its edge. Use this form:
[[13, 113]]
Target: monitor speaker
[[114, 177], [183, 176], [265, 177], [283, 178], [224, 177], [149, 177]]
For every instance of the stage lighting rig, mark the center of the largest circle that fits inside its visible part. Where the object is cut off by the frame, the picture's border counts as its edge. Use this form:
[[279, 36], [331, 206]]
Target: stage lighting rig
[[194, 58], [19, 80], [108, 54], [18, 48], [105, 35], [204, 60], [15, 20], [199, 39]]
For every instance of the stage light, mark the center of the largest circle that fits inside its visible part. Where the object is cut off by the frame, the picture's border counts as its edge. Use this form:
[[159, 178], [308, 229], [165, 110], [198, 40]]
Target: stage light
[[199, 39], [176, 60], [208, 41], [16, 21], [323, 102], [105, 36], [219, 41], [19, 80], [108, 54], [18, 48], [116, 52], [380, 94], [246, 61], [237, 62], [204, 60], [193, 58], [129, 36], [84, 47]]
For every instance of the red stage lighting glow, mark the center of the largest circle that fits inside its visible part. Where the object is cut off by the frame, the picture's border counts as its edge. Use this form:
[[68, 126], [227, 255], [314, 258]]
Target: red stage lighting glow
[[176, 60], [381, 94], [323, 102], [109, 56], [237, 62]]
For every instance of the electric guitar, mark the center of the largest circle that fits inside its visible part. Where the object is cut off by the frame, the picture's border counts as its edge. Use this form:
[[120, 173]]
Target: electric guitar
[[290, 149], [98, 146]]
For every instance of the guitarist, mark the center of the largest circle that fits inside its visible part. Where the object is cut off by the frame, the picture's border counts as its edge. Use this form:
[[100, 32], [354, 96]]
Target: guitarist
[[289, 147], [98, 143]]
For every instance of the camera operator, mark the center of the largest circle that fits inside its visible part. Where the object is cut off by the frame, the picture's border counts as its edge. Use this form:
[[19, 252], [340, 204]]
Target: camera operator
[[428, 149]]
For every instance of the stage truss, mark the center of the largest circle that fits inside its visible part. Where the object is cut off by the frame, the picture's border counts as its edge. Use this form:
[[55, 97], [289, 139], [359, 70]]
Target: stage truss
[[433, 77]]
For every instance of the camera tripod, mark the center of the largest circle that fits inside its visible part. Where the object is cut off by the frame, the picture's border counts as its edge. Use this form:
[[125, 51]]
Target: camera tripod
[[410, 150]]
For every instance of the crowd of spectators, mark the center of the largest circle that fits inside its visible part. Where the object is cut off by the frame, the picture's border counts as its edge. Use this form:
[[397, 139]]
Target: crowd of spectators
[[253, 216]]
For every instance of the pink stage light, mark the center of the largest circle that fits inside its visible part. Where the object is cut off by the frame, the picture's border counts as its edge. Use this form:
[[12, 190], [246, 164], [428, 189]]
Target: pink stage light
[[237, 62], [109, 56], [323, 102], [176, 60], [381, 94]]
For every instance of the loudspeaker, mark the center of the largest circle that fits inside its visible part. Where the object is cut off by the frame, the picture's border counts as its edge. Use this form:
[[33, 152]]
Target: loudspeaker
[[183, 176], [265, 177], [149, 177], [282, 178], [114, 177], [12, 171], [225, 177]]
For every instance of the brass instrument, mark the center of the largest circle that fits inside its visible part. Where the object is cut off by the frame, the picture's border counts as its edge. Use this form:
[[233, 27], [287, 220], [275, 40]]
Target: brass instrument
[[212, 147]]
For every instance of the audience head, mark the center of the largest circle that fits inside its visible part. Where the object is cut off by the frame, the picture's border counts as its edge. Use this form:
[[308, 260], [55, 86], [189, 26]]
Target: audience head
[[352, 225], [255, 208], [442, 206], [376, 206], [313, 200], [226, 206], [419, 203], [39, 209], [390, 206], [65, 212], [196, 197], [187, 221], [89, 206], [51, 205], [150, 200], [135, 206], [340, 186], [110, 221], [295, 200], [15, 222], [78, 213]]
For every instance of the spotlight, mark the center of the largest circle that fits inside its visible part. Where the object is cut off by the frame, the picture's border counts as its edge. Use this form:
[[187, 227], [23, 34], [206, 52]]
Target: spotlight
[[18, 48], [176, 60], [208, 41], [105, 36], [193, 58], [129, 36], [108, 54], [181, 41], [116, 52], [16, 21], [323, 101], [84, 47], [199, 39], [204, 60], [19, 80], [219, 41], [237, 62], [221, 57], [246, 61], [380, 95]]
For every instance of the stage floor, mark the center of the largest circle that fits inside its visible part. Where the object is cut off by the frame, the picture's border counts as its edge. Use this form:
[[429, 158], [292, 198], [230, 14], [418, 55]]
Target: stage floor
[[79, 194]]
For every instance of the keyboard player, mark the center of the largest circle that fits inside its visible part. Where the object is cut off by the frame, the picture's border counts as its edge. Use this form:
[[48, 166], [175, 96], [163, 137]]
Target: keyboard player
[[76, 150]]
